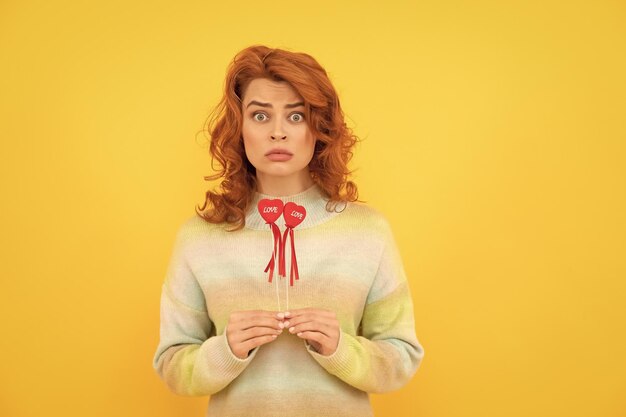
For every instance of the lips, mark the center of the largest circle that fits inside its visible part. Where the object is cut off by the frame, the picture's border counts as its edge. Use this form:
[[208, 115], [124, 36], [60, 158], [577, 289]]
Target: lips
[[279, 151], [279, 155]]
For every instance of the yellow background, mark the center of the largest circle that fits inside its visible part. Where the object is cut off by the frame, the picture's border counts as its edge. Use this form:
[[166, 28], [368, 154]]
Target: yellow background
[[494, 141]]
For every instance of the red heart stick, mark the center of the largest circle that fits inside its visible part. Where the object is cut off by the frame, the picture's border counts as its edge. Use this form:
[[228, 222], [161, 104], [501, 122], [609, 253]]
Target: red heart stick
[[293, 215], [271, 210]]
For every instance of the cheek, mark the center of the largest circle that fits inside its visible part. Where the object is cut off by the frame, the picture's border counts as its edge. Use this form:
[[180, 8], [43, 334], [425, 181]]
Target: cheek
[[310, 142], [250, 136], [252, 151], [245, 132], [249, 147]]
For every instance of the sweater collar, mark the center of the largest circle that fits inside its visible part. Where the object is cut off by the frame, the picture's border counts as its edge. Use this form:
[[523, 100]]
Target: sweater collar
[[313, 199]]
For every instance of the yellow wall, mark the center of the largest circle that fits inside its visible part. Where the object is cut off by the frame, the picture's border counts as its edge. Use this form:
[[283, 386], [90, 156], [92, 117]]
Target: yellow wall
[[494, 141]]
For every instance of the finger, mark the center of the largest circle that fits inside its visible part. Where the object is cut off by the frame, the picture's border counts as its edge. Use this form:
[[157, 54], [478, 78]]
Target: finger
[[255, 332], [254, 320], [311, 318], [242, 315], [323, 328], [316, 337], [270, 322], [257, 341]]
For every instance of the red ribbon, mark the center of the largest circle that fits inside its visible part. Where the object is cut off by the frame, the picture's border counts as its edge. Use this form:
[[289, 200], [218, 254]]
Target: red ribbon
[[293, 215], [271, 210], [277, 242], [294, 262]]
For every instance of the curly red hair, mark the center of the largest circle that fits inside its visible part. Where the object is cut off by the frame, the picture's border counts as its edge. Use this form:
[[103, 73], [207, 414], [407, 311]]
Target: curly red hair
[[333, 148]]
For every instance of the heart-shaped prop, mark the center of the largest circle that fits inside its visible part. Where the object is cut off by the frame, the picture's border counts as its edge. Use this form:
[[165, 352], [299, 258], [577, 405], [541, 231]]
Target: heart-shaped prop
[[293, 214], [270, 210]]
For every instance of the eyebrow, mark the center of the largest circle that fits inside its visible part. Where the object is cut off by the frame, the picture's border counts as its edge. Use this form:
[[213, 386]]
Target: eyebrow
[[287, 106]]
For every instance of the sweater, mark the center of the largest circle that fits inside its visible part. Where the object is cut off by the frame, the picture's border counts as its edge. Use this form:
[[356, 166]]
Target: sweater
[[348, 263]]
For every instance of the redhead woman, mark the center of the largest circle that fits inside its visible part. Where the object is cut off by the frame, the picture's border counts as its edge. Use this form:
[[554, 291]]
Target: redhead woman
[[285, 295]]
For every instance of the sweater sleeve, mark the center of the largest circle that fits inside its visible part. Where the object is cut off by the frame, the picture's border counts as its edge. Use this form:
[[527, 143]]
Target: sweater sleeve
[[189, 358], [387, 354]]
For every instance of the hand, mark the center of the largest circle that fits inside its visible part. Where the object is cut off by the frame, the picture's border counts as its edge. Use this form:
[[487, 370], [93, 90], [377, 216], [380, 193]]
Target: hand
[[319, 327], [246, 330]]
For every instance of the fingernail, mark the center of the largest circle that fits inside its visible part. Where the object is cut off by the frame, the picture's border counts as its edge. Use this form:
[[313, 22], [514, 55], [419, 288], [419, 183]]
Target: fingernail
[[280, 315], [293, 329], [287, 314], [286, 324], [281, 325]]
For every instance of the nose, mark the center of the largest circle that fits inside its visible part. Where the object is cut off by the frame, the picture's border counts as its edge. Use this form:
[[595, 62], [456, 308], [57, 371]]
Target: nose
[[278, 132]]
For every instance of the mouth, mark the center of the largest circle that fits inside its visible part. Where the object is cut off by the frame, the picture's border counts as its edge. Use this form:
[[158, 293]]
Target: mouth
[[279, 152], [279, 155]]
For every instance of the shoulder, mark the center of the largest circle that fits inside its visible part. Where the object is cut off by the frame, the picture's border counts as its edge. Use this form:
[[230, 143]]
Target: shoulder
[[363, 216], [194, 228]]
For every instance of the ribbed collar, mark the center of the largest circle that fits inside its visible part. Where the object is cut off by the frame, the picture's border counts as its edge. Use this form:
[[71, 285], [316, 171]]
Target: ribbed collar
[[313, 199]]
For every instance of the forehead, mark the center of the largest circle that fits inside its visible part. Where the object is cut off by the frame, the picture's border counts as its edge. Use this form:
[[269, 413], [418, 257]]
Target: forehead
[[266, 90]]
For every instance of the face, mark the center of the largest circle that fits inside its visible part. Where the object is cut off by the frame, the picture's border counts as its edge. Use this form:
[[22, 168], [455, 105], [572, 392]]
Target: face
[[276, 137]]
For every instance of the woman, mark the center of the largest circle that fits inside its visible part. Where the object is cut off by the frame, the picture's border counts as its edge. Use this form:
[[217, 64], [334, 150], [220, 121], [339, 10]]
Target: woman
[[342, 325]]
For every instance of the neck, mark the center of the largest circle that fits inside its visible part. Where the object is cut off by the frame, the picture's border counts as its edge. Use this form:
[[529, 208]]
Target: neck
[[283, 186]]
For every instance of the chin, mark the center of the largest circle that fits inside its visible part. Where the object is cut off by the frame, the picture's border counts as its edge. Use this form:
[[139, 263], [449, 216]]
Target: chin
[[280, 171]]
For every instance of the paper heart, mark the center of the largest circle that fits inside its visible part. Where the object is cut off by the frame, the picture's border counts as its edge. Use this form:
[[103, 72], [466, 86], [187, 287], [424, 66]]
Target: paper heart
[[293, 214], [270, 210]]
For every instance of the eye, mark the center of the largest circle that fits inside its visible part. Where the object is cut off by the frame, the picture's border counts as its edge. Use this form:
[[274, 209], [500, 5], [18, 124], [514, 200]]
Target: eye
[[259, 117], [296, 117]]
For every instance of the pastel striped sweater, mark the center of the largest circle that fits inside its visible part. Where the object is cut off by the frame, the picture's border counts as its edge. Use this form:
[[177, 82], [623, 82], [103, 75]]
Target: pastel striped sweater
[[348, 263]]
